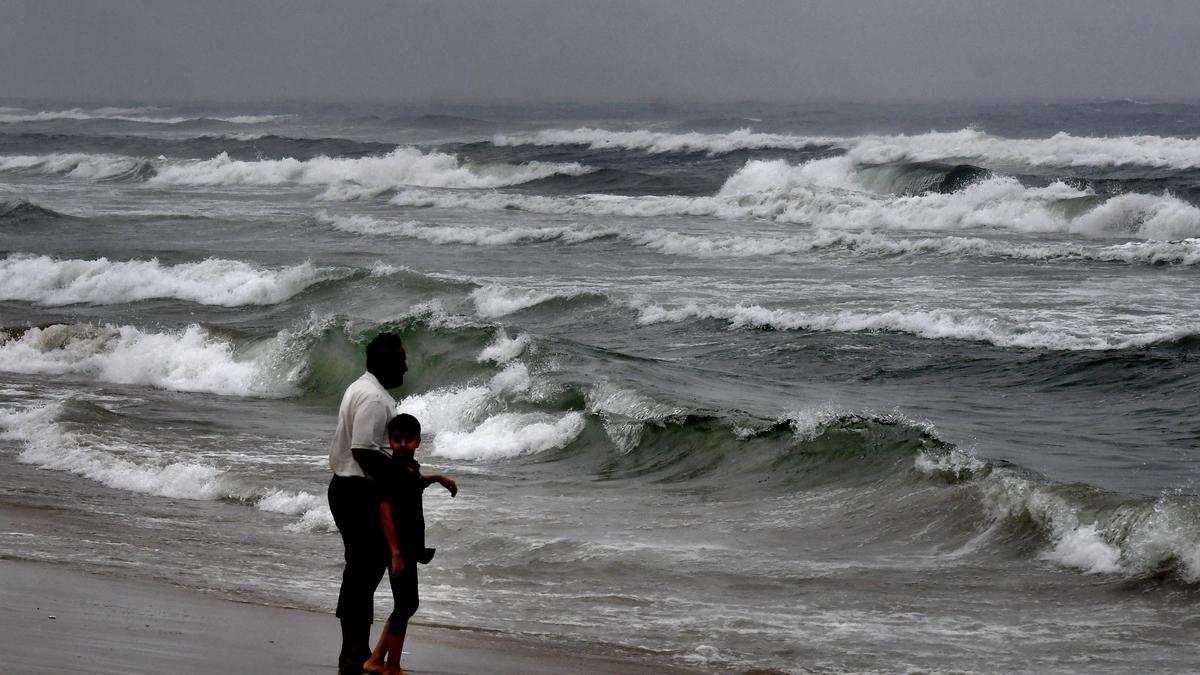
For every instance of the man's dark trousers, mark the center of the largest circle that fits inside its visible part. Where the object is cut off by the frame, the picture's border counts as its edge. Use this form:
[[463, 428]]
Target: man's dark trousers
[[356, 513]]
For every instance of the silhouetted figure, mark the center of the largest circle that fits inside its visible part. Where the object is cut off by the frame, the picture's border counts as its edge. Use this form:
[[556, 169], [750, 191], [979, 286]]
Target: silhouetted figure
[[402, 517], [360, 453]]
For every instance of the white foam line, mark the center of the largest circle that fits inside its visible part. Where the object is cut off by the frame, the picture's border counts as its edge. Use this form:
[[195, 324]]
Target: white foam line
[[186, 360], [1059, 150], [933, 324], [228, 283], [828, 194]]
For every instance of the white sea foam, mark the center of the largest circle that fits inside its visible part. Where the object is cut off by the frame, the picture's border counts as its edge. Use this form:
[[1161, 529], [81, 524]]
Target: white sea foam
[[931, 324], [252, 119], [313, 509], [956, 464], [808, 423], [509, 435], [824, 193], [449, 409], [460, 408], [317, 519], [74, 165], [126, 115], [403, 166], [135, 467], [493, 300], [291, 503], [1083, 548], [1074, 543], [662, 142], [514, 379], [474, 236], [344, 178], [190, 359], [504, 349], [1167, 533], [750, 245], [592, 205], [1134, 539], [50, 445], [227, 283], [473, 422], [827, 194], [1059, 150], [625, 412], [605, 398]]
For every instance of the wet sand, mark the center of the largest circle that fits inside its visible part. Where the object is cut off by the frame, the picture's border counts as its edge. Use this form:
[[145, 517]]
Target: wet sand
[[62, 621]]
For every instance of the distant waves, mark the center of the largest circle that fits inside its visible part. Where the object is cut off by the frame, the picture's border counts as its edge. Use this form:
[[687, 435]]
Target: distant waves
[[1060, 150]]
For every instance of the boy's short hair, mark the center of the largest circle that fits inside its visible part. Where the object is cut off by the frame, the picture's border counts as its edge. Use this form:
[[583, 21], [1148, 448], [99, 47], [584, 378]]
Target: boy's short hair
[[403, 425]]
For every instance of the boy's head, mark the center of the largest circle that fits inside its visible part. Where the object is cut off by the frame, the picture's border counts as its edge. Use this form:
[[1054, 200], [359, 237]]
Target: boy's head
[[404, 434]]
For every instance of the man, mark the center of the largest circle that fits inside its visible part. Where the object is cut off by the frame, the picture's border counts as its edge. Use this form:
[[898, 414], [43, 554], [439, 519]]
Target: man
[[360, 452]]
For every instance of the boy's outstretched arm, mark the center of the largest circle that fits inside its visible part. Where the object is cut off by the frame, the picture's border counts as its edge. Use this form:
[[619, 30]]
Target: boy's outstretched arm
[[445, 481], [389, 533]]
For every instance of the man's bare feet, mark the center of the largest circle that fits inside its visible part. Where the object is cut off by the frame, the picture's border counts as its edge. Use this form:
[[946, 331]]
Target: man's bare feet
[[373, 666]]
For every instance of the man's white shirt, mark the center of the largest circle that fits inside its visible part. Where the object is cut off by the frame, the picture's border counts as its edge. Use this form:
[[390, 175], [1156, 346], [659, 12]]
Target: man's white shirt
[[362, 424]]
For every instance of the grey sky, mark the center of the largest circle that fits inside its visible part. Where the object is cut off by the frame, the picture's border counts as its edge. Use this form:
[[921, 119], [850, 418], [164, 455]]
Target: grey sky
[[518, 50]]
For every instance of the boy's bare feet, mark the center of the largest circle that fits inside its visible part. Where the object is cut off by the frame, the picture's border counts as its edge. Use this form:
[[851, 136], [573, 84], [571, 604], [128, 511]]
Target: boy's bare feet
[[373, 666]]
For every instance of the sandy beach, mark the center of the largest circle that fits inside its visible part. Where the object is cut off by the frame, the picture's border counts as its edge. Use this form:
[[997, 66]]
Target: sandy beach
[[62, 621]]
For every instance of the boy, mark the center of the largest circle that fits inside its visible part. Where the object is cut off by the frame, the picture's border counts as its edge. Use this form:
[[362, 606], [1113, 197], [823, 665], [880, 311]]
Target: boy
[[403, 521]]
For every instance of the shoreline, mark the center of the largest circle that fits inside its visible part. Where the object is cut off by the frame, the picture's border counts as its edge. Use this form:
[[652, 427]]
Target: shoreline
[[62, 621]]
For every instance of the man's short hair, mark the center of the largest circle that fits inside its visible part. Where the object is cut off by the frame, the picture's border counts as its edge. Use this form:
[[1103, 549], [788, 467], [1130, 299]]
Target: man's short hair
[[382, 349], [403, 426]]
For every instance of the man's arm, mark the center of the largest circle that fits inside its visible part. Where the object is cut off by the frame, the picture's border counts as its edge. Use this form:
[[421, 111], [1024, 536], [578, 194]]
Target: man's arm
[[389, 533], [373, 462]]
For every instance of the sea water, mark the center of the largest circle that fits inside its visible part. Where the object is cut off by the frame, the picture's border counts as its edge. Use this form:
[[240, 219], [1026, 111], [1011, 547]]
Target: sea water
[[819, 387]]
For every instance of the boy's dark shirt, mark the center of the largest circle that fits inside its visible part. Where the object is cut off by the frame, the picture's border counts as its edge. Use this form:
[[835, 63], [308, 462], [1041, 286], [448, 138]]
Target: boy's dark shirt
[[404, 487]]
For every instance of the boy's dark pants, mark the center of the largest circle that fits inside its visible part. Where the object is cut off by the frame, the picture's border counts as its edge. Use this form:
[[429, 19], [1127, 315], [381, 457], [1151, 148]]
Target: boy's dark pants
[[404, 597], [356, 513]]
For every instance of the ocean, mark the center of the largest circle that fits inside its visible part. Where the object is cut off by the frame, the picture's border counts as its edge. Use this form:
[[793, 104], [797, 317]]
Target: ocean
[[742, 387]]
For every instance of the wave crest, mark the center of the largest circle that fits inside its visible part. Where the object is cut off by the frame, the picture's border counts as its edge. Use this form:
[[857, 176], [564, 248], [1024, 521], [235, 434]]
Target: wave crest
[[1060, 150], [365, 176], [226, 283], [931, 324], [830, 194], [191, 359], [1084, 528]]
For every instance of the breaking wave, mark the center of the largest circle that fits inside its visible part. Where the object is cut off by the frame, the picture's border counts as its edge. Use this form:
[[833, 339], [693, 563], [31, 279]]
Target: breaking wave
[[664, 142], [830, 193], [501, 408], [1002, 331], [142, 115], [189, 359], [716, 246], [63, 436], [227, 283], [403, 166], [79, 165], [477, 236], [21, 211], [1084, 528], [1060, 150], [346, 178]]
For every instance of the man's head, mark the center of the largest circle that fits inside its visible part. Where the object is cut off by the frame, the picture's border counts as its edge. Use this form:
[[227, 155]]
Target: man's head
[[404, 435], [386, 360]]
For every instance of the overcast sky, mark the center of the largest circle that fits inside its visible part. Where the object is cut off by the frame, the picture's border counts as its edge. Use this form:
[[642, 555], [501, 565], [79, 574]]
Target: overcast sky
[[517, 50]]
